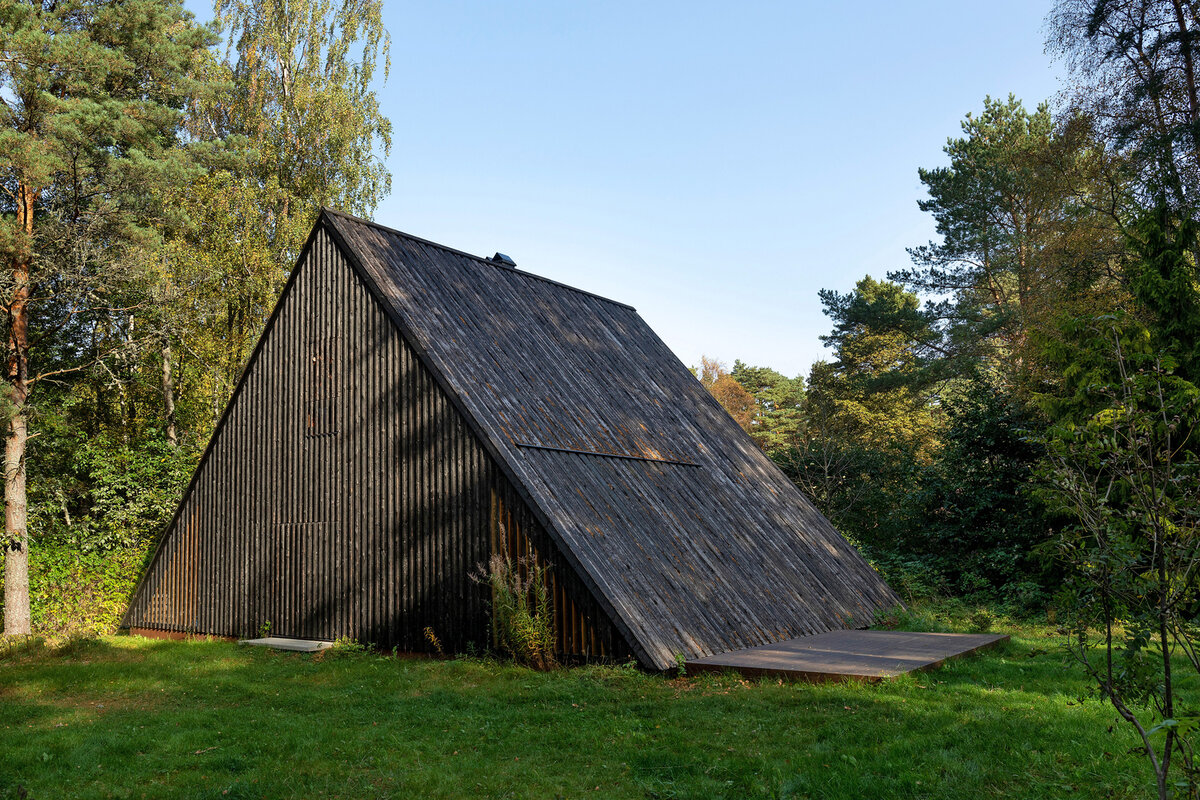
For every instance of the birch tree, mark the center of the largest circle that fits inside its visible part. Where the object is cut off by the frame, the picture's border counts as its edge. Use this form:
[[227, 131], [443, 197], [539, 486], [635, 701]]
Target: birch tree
[[296, 110]]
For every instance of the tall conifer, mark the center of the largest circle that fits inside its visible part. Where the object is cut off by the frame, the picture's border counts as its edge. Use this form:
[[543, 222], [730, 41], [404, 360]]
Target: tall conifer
[[91, 94]]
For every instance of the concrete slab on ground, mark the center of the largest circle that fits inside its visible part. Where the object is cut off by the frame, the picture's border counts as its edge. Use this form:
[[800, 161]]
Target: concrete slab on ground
[[280, 643], [847, 655]]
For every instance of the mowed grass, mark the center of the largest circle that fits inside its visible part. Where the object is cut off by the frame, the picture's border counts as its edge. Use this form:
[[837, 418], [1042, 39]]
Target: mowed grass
[[131, 717]]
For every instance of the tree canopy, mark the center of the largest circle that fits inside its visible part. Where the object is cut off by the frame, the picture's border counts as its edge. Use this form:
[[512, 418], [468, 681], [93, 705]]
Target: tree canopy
[[156, 188]]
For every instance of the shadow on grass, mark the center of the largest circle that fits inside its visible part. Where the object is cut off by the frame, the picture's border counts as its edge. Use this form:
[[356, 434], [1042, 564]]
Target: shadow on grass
[[127, 717]]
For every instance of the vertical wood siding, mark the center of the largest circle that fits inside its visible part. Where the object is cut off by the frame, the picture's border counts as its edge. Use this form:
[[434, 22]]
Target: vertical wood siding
[[582, 630], [692, 540], [343, 495]]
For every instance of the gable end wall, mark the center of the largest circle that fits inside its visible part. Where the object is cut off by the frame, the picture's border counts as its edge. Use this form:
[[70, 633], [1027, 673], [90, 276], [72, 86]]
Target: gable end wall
[[343, 495]]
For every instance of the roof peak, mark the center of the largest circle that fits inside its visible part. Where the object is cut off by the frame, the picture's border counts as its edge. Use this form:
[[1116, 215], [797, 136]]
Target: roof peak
[[333, 212]]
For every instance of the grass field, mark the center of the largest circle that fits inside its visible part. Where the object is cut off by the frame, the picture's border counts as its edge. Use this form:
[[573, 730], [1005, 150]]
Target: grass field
[[131, 717]]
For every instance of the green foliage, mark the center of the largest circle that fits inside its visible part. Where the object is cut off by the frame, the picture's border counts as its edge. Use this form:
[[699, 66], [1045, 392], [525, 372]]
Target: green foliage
[[293, 123], [876, 391], [923, 617], [78, 593], [996, 187], [881, 336], [159, 195], [1162, 278], [113, 115], [858, 486], [1021, 238], [1158, 311], [91, 128], [302, 87], [344, 646], [522, 615], [133, 492], [99, 495], [909, 574], [865, 422], [959, 520], [778, 417], [981, 620], [97, 507], [969, 514], [220, 281], [1128, 479], [1082, 369], [918, 437], [90, 136]]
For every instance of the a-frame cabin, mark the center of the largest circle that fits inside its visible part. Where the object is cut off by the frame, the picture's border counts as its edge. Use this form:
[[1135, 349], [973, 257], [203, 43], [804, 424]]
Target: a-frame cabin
[[412, 409]]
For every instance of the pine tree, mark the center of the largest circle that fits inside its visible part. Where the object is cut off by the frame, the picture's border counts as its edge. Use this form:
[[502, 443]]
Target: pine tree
[[91, 94]]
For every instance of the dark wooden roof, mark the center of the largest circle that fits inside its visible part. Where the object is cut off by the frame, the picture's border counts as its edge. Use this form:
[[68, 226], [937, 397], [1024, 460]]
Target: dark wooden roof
[[687, 533]]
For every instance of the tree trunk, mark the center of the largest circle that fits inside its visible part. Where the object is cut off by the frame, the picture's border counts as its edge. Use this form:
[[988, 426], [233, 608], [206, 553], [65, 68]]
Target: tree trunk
[[1189, 71], [128, 380], [16, 534], [168, 390], [16, 554], [216, 398]]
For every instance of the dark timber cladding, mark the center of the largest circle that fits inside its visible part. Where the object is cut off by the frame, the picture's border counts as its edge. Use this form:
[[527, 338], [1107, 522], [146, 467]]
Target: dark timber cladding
[[343, 495], [413, 409]]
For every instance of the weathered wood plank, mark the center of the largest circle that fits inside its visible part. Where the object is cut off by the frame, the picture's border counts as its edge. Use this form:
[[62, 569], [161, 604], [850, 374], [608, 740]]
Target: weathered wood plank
[[693, 543], [848, 655], [533, 362]]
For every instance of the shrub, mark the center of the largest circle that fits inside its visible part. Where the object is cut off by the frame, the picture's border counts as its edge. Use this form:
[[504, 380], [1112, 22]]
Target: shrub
[[343, 646], [1128, 477], [981, 620], [971, 517], [522, 618], [76, 593], [913, 578], [108, 496]]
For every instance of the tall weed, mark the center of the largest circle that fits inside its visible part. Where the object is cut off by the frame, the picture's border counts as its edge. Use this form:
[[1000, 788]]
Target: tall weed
[[522, 616]]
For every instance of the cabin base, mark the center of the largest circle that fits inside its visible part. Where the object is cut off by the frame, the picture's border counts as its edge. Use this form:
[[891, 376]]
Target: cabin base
[[156, 633]]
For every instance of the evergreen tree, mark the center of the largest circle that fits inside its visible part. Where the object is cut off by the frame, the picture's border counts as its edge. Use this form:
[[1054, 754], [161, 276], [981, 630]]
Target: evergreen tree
[[879, 382], [779, 400], [1017, 209], [89, 137], [1165, 286], [869, 417]]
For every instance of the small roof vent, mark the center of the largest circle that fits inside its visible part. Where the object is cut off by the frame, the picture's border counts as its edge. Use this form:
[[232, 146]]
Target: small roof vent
[[500, 258]]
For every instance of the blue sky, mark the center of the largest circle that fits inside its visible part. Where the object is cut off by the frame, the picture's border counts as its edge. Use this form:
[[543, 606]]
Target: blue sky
[[712, 164]]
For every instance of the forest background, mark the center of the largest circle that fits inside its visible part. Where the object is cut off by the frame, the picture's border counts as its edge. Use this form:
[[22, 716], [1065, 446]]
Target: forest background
[[158, 179]]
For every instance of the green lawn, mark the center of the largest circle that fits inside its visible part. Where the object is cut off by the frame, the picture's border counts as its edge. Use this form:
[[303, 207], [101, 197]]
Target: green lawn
[[130, 717]]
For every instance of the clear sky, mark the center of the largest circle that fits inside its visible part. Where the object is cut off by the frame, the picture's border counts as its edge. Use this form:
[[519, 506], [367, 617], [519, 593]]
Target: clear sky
[[712, 164]]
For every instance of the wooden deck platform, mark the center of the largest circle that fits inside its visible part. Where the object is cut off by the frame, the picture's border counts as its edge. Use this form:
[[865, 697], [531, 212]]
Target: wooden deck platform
[[847, 655], [285, 643]]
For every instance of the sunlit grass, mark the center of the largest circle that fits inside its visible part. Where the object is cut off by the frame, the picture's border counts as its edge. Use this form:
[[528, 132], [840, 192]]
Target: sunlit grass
[[129, 717]]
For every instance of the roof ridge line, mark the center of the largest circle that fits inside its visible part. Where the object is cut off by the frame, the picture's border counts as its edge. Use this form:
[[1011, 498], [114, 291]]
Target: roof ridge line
[[371, 223]]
